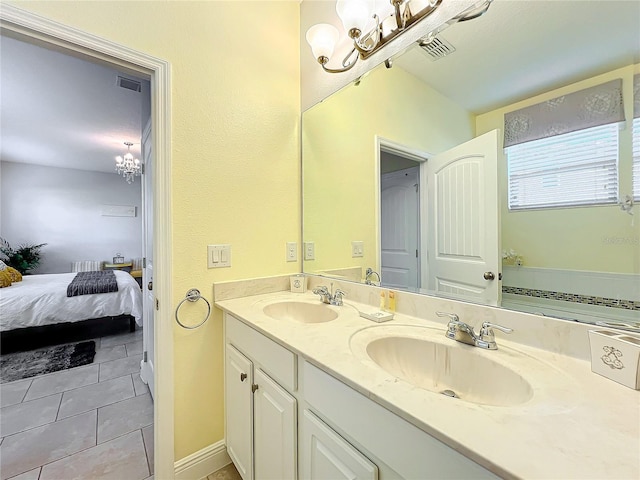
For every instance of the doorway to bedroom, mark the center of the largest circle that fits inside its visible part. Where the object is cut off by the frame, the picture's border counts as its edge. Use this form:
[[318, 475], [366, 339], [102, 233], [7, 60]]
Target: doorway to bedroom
[[65, 119]]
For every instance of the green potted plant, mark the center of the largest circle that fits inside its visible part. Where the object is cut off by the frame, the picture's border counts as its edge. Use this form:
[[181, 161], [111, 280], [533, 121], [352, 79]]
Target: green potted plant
[[23, 258]]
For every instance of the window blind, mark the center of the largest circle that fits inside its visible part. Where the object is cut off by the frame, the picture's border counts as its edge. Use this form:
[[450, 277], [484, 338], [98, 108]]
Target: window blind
[[591, 107], [577, 168]]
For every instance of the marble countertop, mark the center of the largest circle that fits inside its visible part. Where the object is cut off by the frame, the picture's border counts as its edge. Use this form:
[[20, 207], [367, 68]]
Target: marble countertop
[[576, 425]]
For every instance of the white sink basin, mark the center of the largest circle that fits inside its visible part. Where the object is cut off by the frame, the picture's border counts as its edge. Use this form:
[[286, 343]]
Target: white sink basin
[[444, 366], [302, 312]]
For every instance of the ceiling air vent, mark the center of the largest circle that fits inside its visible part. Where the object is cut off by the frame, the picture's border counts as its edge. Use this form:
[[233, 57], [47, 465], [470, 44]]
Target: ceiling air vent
[[437, 48], [129, 84]]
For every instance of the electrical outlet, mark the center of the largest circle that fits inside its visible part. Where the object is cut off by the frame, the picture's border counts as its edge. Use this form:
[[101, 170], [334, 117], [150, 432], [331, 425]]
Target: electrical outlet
[[292, 251], [357, 249], [309, 251]]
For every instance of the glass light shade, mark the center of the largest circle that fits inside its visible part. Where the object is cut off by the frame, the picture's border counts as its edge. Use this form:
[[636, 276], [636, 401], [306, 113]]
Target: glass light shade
[[384, 8], [322, 38], [354, 13]]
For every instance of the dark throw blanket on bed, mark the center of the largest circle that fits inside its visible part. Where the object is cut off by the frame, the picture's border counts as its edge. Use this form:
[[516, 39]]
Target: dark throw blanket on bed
[[85, 283]]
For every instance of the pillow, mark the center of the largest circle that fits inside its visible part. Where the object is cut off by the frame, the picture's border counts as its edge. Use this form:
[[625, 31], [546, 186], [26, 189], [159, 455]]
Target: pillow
[[5, 279], [15, 275], [2, 265]]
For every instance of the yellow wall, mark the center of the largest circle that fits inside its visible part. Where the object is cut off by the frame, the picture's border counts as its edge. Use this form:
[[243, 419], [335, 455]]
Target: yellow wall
[[339, 153], [585, 238], [235, 166]]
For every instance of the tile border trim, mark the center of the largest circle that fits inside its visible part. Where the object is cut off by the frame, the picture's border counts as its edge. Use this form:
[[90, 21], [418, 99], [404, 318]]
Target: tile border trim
[[574, 298]]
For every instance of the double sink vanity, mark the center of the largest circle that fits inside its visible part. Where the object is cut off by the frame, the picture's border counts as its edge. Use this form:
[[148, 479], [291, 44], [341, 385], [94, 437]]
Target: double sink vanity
[[315, 391]]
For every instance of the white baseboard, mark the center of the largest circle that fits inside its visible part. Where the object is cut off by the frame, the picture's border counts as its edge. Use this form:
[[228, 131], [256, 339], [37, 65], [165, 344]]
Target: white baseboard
[[203, 462]]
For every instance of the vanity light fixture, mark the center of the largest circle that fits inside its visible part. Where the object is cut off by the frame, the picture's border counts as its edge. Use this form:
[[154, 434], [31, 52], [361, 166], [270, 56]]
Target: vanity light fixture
[[356, 16], [128, 166]]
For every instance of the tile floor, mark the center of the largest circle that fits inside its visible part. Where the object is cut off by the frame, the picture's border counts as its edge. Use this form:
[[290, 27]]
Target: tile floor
[[227, 473], [94, 421]]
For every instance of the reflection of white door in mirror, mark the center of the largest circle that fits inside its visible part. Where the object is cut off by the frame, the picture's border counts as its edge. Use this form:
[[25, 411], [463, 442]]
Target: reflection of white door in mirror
[[399, 228], [463, 221]]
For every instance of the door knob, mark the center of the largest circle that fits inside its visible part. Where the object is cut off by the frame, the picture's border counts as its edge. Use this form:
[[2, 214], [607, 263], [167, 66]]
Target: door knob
[[150, 285], [489, 276]]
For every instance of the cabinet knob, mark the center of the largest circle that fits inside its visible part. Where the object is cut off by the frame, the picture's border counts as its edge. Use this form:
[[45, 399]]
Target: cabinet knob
[[243, 376], [254, 387]]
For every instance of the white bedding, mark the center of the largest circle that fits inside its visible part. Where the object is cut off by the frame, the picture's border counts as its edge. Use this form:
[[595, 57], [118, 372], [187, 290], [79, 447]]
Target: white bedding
[[42, 300]]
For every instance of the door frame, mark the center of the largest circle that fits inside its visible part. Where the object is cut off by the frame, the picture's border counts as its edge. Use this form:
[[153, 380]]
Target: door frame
[[384, 144], [40, 30]]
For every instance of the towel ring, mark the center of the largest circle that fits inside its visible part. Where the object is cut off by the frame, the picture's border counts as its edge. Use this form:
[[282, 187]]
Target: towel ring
[[193, 295]]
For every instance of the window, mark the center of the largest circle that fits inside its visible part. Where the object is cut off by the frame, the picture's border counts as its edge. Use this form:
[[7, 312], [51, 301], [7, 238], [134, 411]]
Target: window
[[636, 158], [577, 168]]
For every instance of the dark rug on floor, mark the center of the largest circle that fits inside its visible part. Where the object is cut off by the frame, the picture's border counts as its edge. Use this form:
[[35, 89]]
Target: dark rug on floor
[[16, 366]]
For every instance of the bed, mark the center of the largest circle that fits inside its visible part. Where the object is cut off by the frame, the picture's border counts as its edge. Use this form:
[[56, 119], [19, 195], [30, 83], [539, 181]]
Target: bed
[[41, 300]]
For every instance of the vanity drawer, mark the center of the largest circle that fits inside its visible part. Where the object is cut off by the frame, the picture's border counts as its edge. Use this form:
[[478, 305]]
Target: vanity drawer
[[418, 455], [279, 362]]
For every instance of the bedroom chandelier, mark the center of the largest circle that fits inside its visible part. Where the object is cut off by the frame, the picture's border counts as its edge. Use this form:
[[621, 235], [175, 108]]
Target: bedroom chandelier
[[356, 15], [128, 166]]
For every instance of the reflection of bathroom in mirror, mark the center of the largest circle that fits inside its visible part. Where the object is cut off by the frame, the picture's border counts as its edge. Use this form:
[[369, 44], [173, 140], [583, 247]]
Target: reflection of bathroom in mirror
[[361, 147]]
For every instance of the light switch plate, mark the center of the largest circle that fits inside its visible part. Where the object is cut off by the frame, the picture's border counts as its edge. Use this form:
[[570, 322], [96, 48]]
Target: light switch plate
[[357, 249], [292, 251], [218, 256], [309, 250]]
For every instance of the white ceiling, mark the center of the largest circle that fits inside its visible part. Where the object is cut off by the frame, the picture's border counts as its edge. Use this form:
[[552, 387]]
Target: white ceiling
[[521, 48], [59, 110]]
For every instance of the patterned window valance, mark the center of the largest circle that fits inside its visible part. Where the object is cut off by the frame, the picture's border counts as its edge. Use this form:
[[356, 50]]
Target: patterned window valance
[[591, 107], [636, 96]]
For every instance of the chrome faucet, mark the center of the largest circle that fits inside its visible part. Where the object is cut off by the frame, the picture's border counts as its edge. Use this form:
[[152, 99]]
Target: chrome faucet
[[464, 333], [368, 274], [328, 297]]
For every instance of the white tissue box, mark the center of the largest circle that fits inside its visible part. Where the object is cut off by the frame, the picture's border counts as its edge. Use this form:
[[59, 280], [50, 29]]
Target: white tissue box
[[616, 355], [298, 283]]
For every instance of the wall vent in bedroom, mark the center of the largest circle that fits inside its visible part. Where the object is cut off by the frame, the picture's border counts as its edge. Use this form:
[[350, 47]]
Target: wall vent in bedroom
[[436, 48], [129, 83]]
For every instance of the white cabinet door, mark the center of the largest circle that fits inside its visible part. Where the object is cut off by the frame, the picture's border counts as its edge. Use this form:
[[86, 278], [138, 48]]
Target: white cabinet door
[[274, 430], [239, 408], [327, 456]]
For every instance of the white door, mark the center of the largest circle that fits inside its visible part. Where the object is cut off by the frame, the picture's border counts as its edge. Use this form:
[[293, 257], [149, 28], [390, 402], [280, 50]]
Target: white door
[[148, 299], [399, 228], [274, 417], [463, 221], [238, 379], [327, 456]]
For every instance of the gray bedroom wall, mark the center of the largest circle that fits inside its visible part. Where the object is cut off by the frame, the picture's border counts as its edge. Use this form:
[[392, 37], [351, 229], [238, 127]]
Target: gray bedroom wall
[[63, 208]]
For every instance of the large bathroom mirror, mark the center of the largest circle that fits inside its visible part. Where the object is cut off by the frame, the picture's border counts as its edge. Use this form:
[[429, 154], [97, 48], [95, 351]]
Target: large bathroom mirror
[[365, 151]]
